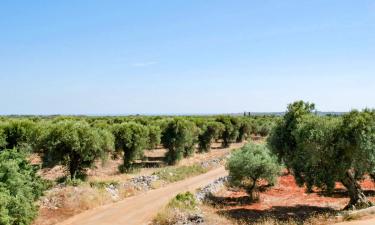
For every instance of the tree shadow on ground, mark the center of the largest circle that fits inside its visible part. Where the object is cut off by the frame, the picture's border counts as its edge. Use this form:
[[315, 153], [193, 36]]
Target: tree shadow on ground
[[229, 201], [298, 213], [343, 193], [149, 164]]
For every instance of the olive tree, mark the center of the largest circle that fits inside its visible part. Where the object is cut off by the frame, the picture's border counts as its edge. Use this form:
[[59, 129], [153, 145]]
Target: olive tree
[[250, 164], [20, 133], [154, 136], [244, 129], [281, 140], [20, 187], [132, 139], [76, 145], [208, 133], [179, 137], [231, 130], [323, 150]]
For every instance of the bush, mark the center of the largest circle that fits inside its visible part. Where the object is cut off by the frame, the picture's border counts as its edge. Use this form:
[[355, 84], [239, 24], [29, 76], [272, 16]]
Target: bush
[[75, 145], [20, 187], [251, 163], [179, 138], [184, 201], [131, 138]]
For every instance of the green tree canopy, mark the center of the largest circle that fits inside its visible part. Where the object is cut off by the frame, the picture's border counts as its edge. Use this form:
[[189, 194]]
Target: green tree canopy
[[323, 150], [132, 139], [154, 136], [231, 129], [250, 164], [20, 133], [76, 145], [179, 137], [209, 131]]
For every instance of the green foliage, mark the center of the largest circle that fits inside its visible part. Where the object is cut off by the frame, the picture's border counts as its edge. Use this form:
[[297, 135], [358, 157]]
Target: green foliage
[[185, 201], [244, 130], [231, 129], [154, 136], [357, 141], [173, 174], [21, 133], [179, 138], [132, 139], [3, 141], [209, 132], [20, 187], [323, 150], [76, 145], [312, 161], [251, 163], [281, 140]]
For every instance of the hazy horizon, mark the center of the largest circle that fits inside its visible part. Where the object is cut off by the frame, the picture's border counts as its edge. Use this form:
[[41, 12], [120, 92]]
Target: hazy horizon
[[193, 57]]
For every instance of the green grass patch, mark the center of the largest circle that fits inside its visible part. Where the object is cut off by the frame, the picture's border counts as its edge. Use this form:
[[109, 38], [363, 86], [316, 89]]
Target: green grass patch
[[173, 174], [184, 201]]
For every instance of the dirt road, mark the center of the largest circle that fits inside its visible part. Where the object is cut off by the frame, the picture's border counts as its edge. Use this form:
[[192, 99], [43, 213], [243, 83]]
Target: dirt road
[[359, 222], [141, 209]]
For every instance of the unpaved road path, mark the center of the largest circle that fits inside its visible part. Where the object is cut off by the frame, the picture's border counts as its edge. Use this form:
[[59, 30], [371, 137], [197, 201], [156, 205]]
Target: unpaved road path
[[359, 222], [141, 209]]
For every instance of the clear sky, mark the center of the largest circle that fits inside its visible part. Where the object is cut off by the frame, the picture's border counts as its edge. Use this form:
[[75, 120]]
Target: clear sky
[[195, 56]]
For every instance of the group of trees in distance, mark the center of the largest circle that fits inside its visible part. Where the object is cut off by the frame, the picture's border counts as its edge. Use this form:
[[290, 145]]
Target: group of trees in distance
[[319, 150], [77, 142]]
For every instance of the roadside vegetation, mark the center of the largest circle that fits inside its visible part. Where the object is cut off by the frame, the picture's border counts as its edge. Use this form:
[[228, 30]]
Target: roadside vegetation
[[78, 143], [319, 151], [184, 205]]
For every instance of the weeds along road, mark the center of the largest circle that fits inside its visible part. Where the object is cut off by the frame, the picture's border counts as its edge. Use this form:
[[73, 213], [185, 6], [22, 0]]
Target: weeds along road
[[141, 209]]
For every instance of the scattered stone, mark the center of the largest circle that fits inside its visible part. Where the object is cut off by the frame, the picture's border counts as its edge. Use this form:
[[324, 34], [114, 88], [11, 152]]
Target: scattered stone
[[210, 189], [143, 182], [113, 191], [211, 163]]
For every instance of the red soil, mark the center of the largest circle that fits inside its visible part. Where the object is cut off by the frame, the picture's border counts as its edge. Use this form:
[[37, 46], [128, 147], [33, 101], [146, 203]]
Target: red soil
[[285, 201]]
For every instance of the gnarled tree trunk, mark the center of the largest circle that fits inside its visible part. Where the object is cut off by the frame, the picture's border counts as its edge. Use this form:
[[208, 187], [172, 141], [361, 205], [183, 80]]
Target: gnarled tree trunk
[[358, 200]]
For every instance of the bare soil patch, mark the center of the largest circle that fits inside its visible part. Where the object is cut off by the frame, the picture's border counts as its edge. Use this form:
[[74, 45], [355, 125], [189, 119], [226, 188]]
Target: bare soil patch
[[284, 202]]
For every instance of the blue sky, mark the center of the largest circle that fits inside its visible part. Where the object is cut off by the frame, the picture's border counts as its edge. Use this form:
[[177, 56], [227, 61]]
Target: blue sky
[[168, 56]]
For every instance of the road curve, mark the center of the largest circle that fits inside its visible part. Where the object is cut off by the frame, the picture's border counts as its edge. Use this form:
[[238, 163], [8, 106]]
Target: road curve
[[141, 209]]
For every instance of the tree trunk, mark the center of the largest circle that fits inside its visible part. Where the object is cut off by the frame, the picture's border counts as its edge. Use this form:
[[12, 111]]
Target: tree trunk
[[74, 165], [372, 175], [358, 200]]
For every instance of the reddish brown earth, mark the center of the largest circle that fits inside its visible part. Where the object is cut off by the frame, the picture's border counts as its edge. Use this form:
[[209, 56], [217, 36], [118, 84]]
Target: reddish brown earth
[[284, 201]]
